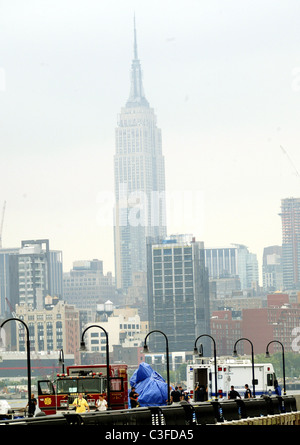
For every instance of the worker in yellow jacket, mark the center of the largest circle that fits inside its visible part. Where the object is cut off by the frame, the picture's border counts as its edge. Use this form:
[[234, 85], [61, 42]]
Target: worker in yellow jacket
[[81, 404]]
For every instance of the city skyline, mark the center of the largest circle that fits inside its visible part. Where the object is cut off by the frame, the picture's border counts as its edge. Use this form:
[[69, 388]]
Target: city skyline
[[224, 82]]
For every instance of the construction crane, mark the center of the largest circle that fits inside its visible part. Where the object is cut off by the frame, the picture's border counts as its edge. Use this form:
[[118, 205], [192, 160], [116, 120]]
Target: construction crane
[[1, 226], [292, 163]]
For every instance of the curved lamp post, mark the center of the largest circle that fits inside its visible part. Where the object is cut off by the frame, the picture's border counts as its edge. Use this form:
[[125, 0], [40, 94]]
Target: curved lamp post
[[61, 360], [83, 348], [252, 360], [215, 358], [283, 361], [146, 350], [28, 357]]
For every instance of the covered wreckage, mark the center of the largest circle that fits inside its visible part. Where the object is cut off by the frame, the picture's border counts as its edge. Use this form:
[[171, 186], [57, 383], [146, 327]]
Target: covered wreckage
[[151, 387]]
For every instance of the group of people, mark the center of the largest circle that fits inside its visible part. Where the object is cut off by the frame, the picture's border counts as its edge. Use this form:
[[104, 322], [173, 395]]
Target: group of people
[[81, 405], [178, 394], [233, 394]]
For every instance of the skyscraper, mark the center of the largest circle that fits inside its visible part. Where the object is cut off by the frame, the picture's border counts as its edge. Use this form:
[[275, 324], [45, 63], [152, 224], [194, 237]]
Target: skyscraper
[[139, 181], [178, 296], [290, 216]]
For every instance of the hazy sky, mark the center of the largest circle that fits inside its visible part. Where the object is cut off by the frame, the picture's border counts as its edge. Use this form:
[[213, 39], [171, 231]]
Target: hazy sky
[[223, 78]]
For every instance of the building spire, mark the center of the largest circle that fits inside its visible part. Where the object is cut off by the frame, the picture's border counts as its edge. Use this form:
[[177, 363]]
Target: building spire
[[135, 43], [136, 96]]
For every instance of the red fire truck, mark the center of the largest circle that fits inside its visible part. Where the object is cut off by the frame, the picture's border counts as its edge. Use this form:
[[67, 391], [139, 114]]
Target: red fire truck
[[91, 380]]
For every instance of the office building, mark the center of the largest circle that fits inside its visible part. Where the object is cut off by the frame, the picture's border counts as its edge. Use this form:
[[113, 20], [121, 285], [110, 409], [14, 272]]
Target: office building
[[178, 295], [139, 175]]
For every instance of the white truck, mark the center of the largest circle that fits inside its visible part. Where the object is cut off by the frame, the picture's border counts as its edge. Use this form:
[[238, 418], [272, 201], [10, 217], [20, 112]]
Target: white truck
[[230, 372]]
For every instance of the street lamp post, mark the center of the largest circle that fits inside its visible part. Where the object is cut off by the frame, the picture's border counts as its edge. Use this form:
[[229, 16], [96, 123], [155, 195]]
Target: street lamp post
[[283, 361], [61, 360], [167, 353], [28, 358], [82, 348], [215, 358], [252, 360]]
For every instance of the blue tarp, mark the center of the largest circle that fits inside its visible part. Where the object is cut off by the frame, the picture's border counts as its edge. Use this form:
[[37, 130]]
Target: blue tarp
[[150, 386]]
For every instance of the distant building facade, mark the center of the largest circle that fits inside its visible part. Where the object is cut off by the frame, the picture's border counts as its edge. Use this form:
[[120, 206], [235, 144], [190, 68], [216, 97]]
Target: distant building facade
[[122, 325], [279, 320], [231, 262], [272, 269], [53, 328], [86, 285]]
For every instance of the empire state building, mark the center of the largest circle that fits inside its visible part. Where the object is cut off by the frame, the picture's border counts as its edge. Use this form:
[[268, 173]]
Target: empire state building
[[139, 179]]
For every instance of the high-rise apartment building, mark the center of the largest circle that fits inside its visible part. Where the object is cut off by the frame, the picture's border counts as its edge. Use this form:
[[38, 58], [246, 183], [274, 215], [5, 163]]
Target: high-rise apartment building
[[290, 217], [178, 295], [39, 272], [139, 181]]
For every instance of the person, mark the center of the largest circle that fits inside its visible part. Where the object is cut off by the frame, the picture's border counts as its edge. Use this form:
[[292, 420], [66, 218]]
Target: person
[[175, 395], [181, 392], [196, 393], [186, 395], [81, 404], [233, 394], [101, 404], [248, 393], [32, 407], [133, 396], [201, 393], [277, 388]]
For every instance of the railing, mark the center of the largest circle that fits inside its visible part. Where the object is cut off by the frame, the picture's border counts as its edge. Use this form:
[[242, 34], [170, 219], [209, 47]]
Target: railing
[[266, 410]]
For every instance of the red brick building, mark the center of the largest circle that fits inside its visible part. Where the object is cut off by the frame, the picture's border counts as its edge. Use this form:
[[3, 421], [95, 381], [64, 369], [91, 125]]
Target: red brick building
[[225, 330], [275, 322]]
